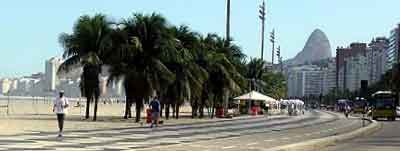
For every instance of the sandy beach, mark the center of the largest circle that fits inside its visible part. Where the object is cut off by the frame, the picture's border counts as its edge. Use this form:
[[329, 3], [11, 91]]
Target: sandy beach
[[37, 116]]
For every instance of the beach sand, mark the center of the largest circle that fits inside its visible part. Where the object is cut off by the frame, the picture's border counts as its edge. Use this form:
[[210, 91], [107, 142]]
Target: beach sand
[[37, 116]]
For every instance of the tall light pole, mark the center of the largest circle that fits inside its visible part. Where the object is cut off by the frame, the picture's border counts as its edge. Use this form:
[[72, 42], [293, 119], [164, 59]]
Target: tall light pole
[[272, 39], [228, 20], [279, 56], [262, 17]]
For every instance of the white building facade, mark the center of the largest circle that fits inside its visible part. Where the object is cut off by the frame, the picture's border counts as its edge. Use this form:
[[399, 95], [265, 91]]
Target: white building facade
[[51, 68], [305, 81]]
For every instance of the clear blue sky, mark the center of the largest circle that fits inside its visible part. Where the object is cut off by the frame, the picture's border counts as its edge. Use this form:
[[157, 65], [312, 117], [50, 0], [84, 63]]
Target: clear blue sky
[[29, 30]]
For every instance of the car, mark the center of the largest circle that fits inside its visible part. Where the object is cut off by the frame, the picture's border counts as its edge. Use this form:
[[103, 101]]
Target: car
[[398, 111]]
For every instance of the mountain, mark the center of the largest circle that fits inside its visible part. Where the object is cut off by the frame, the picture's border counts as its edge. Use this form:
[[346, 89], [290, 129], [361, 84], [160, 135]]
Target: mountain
[[317, 48]]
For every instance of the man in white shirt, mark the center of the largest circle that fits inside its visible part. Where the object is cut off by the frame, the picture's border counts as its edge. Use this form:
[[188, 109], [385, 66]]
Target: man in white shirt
[[60, 108]]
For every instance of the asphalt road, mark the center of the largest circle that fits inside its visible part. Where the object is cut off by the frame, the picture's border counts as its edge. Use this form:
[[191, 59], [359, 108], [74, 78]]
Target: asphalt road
[[272, 136], [386, 139]]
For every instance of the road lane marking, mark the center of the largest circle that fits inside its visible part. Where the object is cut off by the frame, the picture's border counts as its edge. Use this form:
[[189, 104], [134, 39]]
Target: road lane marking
[[228, 147], [251, 144], [268, 140], [285, 138]]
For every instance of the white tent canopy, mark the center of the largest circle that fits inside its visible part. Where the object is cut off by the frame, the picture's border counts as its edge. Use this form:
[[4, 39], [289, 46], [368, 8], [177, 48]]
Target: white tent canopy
[[296, 102], [254, 95]]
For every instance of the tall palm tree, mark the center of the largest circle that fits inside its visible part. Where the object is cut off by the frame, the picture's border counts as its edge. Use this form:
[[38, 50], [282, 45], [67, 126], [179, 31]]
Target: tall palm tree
[[142, 67], [224, 80], [85, 47], [189, 75], [255, 70]]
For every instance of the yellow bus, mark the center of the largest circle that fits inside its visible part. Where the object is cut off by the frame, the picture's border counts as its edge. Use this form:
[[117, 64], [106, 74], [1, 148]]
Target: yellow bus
[[384, 105]]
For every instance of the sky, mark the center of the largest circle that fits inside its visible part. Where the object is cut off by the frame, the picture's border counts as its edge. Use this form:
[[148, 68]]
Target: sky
[[29, 30]]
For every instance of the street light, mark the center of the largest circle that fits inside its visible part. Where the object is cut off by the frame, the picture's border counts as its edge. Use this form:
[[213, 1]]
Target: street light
[[262, 17], [228, 20], [272, 39]]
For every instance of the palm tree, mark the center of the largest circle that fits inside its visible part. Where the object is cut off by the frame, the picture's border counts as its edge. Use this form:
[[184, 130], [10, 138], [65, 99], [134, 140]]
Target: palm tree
[[85, 47], [142, 68], [275, 85], [255, 70], [223, 76], [189, 75]]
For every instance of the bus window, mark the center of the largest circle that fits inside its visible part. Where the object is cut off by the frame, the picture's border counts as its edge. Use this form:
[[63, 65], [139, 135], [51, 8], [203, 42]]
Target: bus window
[[385, 104]]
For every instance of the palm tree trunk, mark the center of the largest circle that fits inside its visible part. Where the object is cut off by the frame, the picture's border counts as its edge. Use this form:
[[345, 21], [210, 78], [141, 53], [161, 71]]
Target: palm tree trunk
[[88, 99], [213, 106], [167, 111], [194, 109], [139, 105], [173, 110], [96, 100], [126, 108], [177, 111], [201, 108], [130, 109], [226, 102]]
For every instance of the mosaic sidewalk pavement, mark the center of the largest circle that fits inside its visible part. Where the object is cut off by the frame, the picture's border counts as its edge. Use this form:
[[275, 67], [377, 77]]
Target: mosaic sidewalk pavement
[[143, 137]]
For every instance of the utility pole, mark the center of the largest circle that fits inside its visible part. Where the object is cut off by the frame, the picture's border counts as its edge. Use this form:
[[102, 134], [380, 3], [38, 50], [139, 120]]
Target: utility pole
[[227, 43], [278, 54], [272, 39], [228, 21], [262, 17]]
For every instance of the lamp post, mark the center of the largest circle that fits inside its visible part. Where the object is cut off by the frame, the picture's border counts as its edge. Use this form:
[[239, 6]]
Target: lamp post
[[262, 18], [228, 21], [272, 39]]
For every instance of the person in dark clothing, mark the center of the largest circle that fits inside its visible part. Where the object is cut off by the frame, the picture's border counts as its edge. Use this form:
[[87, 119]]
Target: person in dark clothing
[[155, 111]]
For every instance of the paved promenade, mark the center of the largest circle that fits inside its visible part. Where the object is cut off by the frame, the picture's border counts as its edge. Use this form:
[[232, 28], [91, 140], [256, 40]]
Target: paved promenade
[[236, 134]]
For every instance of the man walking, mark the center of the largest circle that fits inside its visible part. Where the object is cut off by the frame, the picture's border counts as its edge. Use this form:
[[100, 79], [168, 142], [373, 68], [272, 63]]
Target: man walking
[[60, 108], [155, 111]]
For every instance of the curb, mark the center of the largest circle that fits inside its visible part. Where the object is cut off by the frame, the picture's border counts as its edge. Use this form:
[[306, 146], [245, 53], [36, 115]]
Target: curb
[[317, 144]]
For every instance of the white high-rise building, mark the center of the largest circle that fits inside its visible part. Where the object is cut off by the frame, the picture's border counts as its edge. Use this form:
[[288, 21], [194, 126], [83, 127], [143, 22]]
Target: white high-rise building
[[5, 86], [356, 70], [51, 68], [329, 77], [377, 58], [305, 81], [393, 52]]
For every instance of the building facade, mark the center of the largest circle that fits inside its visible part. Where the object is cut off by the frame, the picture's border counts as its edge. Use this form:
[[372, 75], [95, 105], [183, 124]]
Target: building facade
[[356, 70], [51, 68], [5, 86], [329, 77], [377, 58], [305, 81], [393, 51], [342, 65]]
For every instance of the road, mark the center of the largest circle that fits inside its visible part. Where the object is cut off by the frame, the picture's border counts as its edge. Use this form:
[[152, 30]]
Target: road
[[386, 139], [253, 133]]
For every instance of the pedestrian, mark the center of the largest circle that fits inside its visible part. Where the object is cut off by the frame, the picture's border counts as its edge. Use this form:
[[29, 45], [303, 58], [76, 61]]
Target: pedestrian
[[347, 110], [60, 108], [155, 111]]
